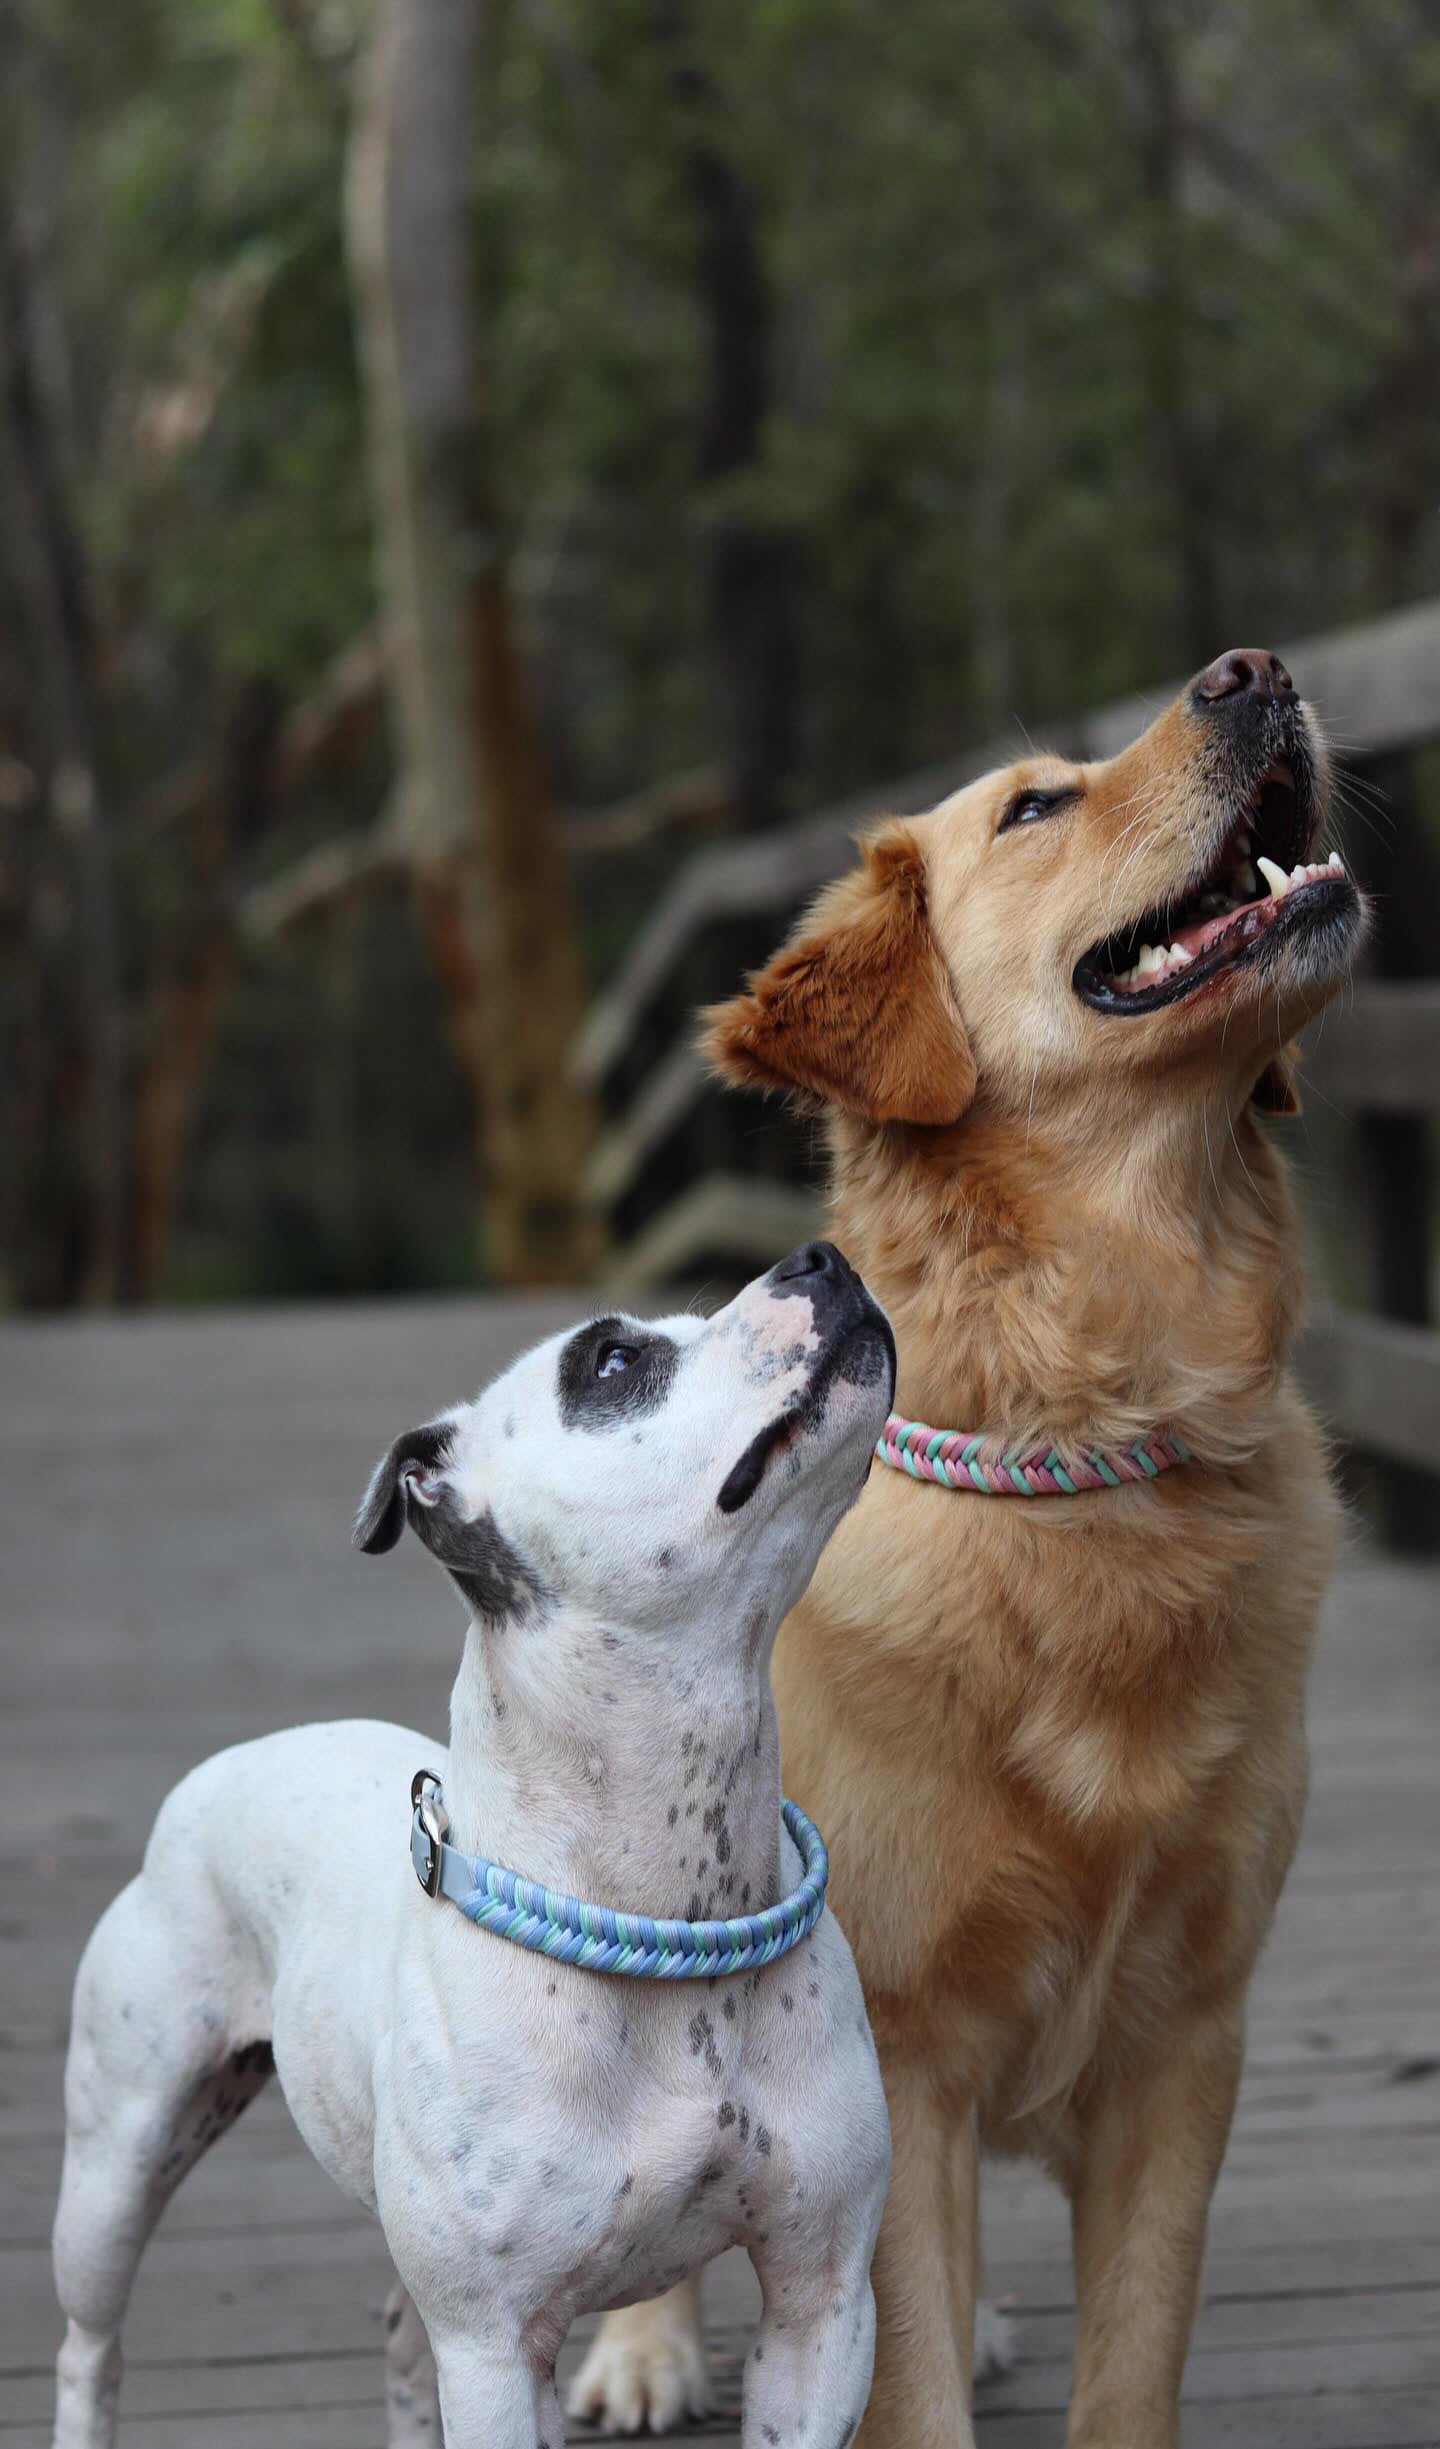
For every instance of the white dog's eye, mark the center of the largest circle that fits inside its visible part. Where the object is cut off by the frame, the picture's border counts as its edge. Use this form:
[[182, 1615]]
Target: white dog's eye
[[614, 1358]]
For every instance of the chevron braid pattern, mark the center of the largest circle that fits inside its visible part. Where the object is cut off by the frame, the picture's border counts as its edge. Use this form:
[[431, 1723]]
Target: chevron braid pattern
[[953, 1460], [600, 1940]]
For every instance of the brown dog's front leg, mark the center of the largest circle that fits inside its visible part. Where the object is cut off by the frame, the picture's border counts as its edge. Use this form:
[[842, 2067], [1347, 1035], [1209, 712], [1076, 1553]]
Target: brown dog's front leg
[[1150, 2147], [924, 2275]]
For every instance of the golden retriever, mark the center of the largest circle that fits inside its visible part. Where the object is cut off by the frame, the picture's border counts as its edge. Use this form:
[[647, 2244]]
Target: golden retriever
[[1057, 1748]]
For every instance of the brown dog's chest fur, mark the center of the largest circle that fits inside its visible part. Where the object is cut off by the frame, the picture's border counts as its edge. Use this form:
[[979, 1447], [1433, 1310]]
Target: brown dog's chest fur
[[1059, 1788], [1057, 1746]]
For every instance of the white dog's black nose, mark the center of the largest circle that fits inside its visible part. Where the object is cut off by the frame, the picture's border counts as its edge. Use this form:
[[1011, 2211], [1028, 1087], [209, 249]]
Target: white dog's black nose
[[813, 1259]]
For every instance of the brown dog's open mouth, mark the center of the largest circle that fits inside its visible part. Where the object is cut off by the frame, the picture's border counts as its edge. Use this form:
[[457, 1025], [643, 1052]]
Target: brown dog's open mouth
[[1259, 888]]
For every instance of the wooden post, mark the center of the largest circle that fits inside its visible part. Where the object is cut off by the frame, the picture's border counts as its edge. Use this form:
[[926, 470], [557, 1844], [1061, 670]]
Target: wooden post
[[1394, 862]]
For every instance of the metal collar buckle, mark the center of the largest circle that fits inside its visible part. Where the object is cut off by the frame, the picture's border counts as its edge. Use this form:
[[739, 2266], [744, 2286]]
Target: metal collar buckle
[[434, 1820]]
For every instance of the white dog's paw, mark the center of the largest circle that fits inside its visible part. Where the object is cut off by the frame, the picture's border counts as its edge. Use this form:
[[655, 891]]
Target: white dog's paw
[[994, 2342], [641, 2377]]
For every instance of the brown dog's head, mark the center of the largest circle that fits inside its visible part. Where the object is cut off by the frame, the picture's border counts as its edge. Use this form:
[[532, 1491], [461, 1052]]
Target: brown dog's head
[[1168, 912]]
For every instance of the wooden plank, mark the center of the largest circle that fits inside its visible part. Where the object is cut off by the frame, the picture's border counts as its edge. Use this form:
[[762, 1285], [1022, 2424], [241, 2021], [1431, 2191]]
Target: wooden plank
[[725, 1215], [1378, 1052], [1400, 2419], [255, 2318], [341, 2427], [201, 2387], [1317, 2268], [670, 1093], [1221, 2375], [1377, 1384], [1375, 683], [1357, 2340], [216, 2296], [770, 872], [1392, 1154], [1402, 2314]]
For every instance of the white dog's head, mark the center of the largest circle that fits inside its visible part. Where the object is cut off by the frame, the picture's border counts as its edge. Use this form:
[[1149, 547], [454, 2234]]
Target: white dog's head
[[639, 1474]]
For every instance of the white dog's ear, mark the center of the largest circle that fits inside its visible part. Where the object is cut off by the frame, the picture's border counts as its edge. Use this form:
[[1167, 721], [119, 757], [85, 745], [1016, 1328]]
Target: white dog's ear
[[381, 1518]]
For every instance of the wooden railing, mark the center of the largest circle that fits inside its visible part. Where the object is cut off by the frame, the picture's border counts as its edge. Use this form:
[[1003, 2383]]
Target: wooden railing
[[696, 1182]]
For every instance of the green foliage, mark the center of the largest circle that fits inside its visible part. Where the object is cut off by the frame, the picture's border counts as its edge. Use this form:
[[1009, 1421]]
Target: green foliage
[[1100, 326], [346, 1168], [203, 223], [972, 265]]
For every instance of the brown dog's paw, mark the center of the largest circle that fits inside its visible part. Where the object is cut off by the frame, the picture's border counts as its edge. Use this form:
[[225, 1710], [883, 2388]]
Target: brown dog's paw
[[995, 2343], [645, 2372]]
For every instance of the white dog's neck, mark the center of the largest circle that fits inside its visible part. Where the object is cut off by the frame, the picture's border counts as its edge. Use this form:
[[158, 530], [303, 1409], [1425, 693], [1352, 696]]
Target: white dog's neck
[[617, 1774]]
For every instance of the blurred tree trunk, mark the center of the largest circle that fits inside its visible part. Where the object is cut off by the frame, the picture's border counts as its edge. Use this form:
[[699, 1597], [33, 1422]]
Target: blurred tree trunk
[[1170, 314], [491, 885], [750, 572], [193, 965], [1407, 459], [69, 1234]]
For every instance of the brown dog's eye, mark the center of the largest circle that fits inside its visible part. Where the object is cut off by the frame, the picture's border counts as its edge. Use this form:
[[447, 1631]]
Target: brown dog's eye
[[1028, 807]]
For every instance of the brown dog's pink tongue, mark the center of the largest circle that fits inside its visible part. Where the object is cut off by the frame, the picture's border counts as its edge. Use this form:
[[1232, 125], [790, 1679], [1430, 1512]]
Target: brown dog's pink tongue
[[1202, 933]]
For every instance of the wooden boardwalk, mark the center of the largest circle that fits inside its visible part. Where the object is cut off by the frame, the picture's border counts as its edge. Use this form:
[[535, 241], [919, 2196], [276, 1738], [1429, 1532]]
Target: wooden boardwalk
[[175, 1574]]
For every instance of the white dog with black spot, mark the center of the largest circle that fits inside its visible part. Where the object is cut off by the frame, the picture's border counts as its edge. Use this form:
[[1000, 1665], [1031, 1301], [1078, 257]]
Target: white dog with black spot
[[628, 1513]]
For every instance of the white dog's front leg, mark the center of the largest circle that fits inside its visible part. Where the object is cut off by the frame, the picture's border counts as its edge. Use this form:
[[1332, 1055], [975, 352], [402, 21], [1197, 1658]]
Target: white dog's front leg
[[491, 2398], [412, 2400], [645, 2367], [87, 2385], [808, 2376]]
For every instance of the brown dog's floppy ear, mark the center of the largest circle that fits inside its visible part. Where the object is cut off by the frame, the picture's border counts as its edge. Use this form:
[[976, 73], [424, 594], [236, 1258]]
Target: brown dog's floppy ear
[[1277, 1091], [858, 1011]]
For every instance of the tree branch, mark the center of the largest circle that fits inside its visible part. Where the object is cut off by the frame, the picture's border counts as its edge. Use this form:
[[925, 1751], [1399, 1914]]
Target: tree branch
[[325, 881], [326, 730]]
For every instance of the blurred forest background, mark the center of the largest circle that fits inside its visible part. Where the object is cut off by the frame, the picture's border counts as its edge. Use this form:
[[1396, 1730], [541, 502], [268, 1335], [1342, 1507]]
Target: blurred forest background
[[457, 454]]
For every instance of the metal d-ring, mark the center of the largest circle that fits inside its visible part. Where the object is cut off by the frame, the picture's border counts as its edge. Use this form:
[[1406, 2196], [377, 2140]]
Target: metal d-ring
[[434, 1820]]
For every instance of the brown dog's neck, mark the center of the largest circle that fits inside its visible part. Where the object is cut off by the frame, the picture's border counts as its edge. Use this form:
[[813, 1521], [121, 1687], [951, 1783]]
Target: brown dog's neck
[[1042, 1283]]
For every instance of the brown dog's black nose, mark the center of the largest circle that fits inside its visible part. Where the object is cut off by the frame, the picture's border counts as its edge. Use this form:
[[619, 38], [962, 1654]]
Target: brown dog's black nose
[[1245, 670]]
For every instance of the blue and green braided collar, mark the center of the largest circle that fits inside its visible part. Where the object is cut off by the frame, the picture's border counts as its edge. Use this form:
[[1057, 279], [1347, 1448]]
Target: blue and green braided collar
[[596, 1937]]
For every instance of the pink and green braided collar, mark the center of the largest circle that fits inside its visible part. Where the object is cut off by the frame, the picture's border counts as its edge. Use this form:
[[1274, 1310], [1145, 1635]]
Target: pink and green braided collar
[[953, 1460]]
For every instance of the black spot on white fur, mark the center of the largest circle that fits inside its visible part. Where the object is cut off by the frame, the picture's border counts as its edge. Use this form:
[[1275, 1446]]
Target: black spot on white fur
[[589, 1401], [494, 1579]]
